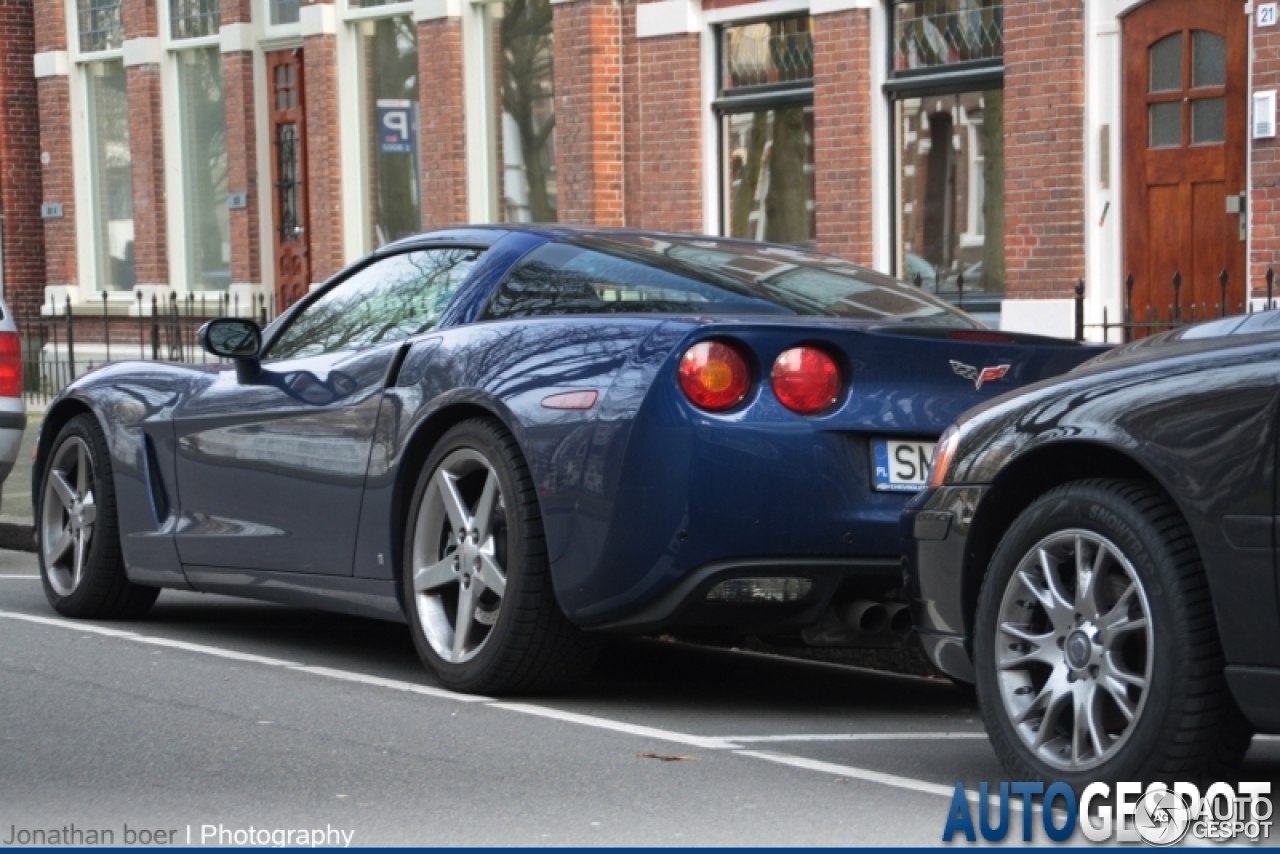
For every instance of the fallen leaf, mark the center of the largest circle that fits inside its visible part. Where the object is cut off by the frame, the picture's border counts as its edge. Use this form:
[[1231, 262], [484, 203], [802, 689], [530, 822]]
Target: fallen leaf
[[667, 757], [842, 779]]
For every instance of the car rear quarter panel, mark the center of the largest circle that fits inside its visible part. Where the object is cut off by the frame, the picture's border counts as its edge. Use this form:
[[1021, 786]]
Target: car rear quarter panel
[[1207, 433]]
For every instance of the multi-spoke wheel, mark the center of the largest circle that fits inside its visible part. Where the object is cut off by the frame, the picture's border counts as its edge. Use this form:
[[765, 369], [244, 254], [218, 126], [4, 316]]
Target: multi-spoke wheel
[[78, 539], [1095, 645], [481, 606]]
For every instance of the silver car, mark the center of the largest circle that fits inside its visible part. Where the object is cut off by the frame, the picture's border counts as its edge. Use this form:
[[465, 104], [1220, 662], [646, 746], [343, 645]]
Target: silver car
[[13, 413]]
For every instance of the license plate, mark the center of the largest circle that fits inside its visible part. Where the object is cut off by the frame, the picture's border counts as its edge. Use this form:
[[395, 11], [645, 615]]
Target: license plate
[[900, 465]]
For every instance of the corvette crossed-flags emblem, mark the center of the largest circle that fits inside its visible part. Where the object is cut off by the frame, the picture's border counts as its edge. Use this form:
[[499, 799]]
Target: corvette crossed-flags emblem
[[979, 377]]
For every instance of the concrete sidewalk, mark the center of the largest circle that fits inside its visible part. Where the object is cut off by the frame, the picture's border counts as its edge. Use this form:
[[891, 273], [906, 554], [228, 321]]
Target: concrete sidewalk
[[15, 496]]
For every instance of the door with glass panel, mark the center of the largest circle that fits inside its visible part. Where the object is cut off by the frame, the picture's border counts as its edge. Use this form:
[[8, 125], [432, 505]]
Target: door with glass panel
[[1185, 126], [288, 176]]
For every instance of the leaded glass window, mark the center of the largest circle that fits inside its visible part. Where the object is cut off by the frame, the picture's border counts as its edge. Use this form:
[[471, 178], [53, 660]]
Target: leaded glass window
[[930, 34], [101, 25], [193, 19]]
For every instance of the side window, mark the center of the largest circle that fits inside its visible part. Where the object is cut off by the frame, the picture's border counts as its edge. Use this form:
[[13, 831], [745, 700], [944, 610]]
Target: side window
[[392, 299]]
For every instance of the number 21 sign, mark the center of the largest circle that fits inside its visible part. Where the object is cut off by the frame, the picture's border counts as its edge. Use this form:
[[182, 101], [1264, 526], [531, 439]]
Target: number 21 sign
[[1267, 15]]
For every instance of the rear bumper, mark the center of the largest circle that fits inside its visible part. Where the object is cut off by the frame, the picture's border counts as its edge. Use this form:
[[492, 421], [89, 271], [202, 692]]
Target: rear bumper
[[935, 531], [685, 604]]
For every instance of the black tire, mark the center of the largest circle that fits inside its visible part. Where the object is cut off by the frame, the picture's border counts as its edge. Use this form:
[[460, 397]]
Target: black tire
[[530, 648], [1187, 725], [103, 590]]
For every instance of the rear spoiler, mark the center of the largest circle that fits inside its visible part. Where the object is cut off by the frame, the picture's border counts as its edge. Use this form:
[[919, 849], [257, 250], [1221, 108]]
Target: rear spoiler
[[973, 336]]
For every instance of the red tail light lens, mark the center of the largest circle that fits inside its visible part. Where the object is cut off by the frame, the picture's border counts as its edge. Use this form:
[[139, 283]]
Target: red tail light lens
[[806, 380], [10, 365], [714, 376]]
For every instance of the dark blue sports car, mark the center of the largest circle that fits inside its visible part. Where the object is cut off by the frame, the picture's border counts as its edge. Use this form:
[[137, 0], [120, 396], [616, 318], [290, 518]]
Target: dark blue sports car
[[515, 439]]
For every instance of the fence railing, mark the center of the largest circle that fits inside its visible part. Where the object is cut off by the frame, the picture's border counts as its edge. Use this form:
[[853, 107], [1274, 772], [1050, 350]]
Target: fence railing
[[1151, 319], [61, 341]]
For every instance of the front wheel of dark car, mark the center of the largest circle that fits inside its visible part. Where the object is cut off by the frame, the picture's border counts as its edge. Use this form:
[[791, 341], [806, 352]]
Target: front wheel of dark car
[[81, 563], [477, 584], [1095, 644]]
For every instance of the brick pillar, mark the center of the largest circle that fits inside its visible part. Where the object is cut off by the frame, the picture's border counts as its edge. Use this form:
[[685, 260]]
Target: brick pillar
[[667, 134], [443, 131], [146, 143], [20, 190], [842, 131], [1044, 126], [53, 92], [242, 141], [324, 144], [1264, 195], [588, 92]]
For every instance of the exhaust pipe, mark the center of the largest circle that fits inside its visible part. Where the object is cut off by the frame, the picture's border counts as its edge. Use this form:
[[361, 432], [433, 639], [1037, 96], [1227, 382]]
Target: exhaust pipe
[[870, 618], [900, 622]]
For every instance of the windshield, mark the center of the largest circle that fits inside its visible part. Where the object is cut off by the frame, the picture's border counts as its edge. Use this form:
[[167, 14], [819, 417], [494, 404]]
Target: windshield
[[691, 275]]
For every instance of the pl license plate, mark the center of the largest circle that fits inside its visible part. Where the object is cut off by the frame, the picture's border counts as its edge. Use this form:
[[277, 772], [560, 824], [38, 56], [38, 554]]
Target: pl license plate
[[900, 465]]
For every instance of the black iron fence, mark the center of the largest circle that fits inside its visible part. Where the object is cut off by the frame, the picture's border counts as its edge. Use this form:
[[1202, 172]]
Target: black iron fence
[[1141, 321], [61, 341]]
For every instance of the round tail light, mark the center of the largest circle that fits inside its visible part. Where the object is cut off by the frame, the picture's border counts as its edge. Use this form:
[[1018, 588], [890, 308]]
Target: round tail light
[[806, 380], [714, 376]]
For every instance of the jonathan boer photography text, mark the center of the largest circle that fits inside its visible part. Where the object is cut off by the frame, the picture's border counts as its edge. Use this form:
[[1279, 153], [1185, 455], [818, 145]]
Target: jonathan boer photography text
[[1158, 814]]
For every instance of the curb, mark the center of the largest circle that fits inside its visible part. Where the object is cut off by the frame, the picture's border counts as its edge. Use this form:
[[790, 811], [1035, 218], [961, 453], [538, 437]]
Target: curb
[[16, 534]]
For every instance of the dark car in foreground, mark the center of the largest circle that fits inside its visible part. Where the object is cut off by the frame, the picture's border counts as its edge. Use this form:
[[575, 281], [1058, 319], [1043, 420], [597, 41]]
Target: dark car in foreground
[[1098, 553], [512, 437]]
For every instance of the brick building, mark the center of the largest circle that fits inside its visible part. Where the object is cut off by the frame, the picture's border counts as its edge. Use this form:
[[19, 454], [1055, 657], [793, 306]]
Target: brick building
[[993, 151]]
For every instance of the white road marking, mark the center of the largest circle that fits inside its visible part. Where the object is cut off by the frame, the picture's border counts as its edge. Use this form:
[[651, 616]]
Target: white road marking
[[394, 684], [857, 736], [15, 577], [654, 733], [617, 726]]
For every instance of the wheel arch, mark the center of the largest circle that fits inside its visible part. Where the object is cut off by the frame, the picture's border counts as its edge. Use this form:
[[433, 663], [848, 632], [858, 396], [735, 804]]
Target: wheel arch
[[1021, 482], [417, 448], [57, 416]]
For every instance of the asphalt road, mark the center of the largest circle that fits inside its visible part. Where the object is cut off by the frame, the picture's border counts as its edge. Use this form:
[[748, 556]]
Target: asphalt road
[[237, 715]]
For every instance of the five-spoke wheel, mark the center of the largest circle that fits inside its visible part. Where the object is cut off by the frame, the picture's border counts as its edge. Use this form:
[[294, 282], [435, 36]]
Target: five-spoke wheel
[[78, 537], [481, 605], [1095, 646]]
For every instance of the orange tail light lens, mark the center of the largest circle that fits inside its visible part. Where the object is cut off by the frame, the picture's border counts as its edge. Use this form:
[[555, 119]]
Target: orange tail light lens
[[714, 376]]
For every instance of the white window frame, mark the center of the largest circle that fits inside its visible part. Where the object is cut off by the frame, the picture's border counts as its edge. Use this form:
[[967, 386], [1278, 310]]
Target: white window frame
[[270, 32], [90, 284], [174, 153]]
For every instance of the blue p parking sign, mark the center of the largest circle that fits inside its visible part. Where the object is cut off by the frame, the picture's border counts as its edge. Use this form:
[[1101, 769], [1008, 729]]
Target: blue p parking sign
[[397, 130]]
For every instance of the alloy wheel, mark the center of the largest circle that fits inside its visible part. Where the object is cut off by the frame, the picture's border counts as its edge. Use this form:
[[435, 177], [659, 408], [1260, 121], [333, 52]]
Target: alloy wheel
[[459, 556], [1074, 650], [68, 514]]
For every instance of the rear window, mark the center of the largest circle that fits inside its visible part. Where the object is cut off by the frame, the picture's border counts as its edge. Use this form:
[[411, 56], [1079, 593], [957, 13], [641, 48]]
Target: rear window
[[671, 275]]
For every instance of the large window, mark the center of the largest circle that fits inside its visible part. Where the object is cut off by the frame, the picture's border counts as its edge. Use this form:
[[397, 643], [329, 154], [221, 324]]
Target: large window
[[765, 106], [524, 148], [100, 24], [111, 173], [388, 58], [204, 164], [949, 147]]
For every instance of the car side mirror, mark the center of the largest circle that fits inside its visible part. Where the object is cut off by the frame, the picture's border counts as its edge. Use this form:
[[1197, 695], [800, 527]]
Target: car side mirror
[[237, 339]]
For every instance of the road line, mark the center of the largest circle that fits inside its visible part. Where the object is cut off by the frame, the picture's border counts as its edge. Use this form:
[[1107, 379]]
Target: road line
[[705, 742], [67, 624], [860, 736], [617, 726], [394, 684], [32, 577], [213, 650]]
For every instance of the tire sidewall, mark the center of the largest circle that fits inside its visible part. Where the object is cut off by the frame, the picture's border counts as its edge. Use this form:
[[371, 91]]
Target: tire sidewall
[[85, 428], [474, 436], [1101, 511]]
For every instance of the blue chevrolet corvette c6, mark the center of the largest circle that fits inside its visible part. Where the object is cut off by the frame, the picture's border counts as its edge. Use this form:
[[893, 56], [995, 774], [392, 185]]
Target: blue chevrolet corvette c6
[[517, 439]]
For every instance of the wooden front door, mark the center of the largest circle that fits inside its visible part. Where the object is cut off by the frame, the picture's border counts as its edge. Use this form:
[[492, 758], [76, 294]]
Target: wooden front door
[[1185, 127], [289, 177]]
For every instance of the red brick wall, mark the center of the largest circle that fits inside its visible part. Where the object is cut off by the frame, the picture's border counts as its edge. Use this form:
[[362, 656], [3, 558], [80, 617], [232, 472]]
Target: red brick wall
[[242, 165], [1264, 197], [20, 191], [140, 18], [57, 180], [146, 144], [842, 127], [588, 93], [664, 143], [443, 133], [324, 162], [1044, 147]]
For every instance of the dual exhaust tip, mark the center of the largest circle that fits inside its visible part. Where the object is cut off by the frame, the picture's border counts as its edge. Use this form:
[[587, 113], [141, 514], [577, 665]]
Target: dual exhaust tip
[[874, 618]]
